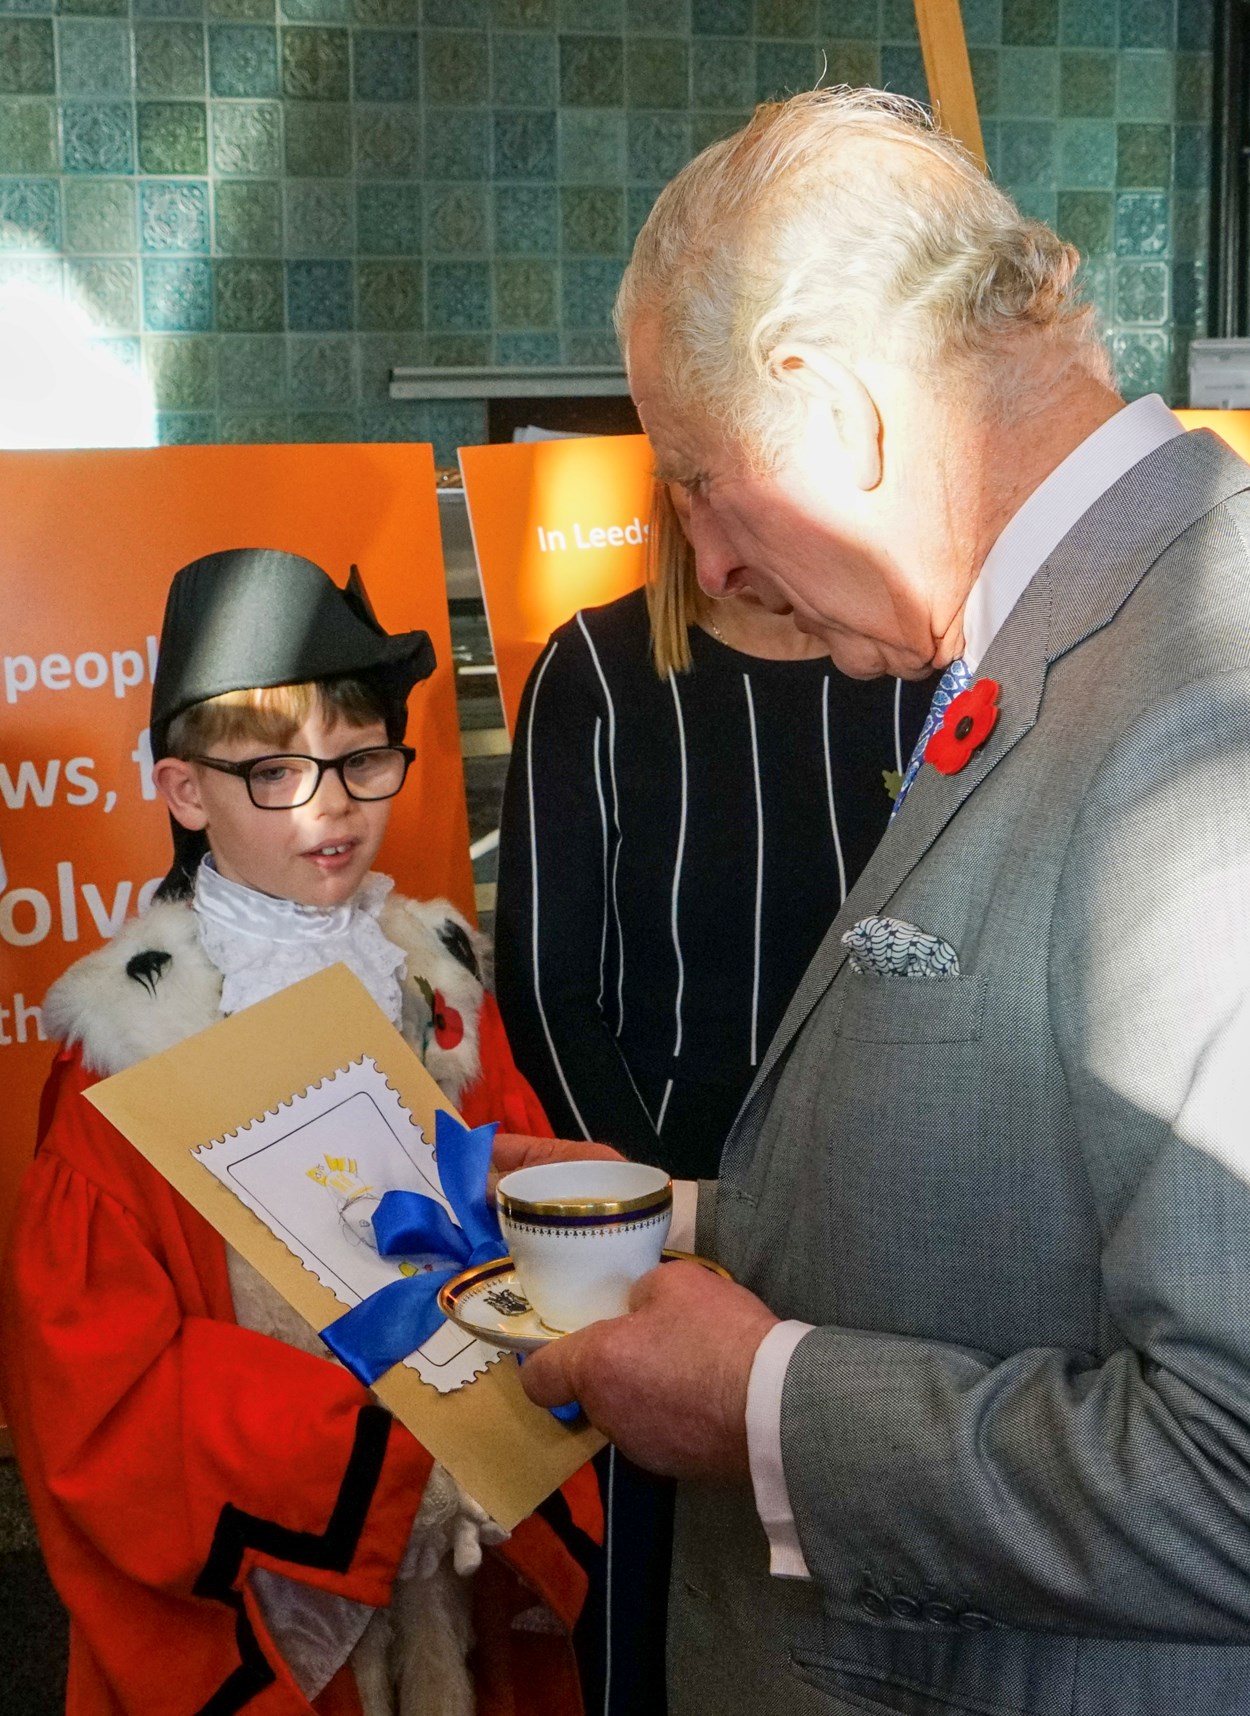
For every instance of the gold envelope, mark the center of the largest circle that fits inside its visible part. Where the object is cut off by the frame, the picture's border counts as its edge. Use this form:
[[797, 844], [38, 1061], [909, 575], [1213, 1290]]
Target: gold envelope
[[507, 1453]]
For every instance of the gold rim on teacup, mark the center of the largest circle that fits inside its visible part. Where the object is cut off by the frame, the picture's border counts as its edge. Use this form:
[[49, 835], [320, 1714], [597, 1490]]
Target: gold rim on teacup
[[537, 1209]]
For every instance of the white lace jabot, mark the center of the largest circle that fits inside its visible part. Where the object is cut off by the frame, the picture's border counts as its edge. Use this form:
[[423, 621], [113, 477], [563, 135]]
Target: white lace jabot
[[262, 944]]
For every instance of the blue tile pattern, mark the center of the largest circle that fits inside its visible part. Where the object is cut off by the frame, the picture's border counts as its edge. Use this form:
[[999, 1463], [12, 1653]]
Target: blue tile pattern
[[186, 428], [27, 57], [387, 65], [319, 295], [249, 296], [523, 70], [526, 220], [315, 63], [173, 137], [456, 221], [527, 349], [242, 60], [457, 144], [169, 59], [177, 296], [30, 215], [525, 145], [458, 296], [173, 214], [319, 218], [251, 370], [97, 137], [388, 220], [247, 137], [99, 216], [591, 147], [95, 58], [106, 288], [322, 370], [269, 202], [317, 138]]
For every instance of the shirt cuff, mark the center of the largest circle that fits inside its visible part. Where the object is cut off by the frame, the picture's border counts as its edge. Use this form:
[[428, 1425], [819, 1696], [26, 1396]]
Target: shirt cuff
[[768, 1478], [685, 1214]]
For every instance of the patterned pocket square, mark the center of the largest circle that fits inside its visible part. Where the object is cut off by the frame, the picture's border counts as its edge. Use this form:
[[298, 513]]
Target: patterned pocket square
[[887, 947]]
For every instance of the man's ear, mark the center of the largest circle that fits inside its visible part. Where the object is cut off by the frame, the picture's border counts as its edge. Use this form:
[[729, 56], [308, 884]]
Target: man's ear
[[178, 785], [856, 420]]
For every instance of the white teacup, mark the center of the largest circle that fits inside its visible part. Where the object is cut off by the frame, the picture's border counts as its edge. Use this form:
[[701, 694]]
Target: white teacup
[[581, 1234]]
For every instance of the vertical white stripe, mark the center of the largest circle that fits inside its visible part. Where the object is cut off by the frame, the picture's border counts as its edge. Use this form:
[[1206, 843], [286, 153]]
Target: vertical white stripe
[[629, 1075], [759, 870], [616, 823], [833, 815], [668, 1091], [681, 847], [538, 996], [898, 726], [603, 829], [607, 1593]]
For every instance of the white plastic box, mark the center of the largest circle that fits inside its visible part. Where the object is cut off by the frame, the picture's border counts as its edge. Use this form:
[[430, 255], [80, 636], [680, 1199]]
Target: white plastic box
[[1219, 374]]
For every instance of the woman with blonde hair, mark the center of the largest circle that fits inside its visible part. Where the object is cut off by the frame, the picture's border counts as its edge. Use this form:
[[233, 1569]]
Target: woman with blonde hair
[[693, 790]]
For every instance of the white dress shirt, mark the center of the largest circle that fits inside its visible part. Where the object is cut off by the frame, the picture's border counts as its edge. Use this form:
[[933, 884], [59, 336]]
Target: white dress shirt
[[1027, 541]]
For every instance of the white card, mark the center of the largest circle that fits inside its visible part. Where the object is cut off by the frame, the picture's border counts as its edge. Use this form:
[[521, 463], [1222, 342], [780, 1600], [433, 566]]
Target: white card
[[297, 1167]]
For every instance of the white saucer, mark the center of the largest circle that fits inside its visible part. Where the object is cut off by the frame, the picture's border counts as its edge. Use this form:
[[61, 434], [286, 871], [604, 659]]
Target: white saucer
[[487, 1301]]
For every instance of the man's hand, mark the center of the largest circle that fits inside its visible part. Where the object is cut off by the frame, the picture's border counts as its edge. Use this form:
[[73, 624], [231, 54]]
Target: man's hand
[[668, 1382], [515, 1150]]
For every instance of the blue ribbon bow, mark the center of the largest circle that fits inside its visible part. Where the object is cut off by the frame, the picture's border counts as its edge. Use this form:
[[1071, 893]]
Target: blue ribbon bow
[[400, 1317]]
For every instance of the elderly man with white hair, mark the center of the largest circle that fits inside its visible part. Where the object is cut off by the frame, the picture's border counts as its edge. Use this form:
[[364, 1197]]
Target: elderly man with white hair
[[971, 1431]]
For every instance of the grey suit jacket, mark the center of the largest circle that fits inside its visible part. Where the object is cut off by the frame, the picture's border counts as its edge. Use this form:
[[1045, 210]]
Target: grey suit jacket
[[1016, 1201]]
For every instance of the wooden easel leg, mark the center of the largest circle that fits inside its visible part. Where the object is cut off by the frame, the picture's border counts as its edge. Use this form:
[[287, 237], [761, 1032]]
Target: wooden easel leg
[[945, 50]]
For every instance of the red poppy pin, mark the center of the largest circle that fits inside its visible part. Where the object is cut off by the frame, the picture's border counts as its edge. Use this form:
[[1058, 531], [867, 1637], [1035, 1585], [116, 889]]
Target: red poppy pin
[[967, 724], [446, 1022], [448, 1025]]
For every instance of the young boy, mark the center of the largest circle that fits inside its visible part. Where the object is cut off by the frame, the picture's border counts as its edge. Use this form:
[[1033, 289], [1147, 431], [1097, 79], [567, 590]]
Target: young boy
[[231, 1520]]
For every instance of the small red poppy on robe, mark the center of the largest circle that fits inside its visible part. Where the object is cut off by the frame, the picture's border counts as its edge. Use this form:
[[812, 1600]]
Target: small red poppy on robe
[[967, 724], [448, 1025]]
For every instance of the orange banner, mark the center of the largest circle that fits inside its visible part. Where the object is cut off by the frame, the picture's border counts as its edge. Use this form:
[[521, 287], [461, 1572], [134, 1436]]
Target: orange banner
[[557, 526], [89, 544]]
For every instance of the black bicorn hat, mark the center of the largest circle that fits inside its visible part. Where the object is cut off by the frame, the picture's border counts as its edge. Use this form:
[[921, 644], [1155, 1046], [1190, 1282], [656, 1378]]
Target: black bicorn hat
[[251, 618]]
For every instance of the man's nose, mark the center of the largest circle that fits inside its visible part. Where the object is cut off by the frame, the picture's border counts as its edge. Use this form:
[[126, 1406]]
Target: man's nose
[[715, 563]]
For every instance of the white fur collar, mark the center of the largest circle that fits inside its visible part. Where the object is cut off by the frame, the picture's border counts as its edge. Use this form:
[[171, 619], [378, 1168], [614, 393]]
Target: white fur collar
[[438, 943], [142, 992], [153, 985]]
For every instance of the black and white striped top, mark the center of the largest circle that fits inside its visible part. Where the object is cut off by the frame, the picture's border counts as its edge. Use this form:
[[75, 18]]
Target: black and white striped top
[[671, 855]]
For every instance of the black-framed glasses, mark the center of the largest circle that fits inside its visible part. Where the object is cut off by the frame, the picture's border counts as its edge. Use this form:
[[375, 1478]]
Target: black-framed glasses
[[284, 782]]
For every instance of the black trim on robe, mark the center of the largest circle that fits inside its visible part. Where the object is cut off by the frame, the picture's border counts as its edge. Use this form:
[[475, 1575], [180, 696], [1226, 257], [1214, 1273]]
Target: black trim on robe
[[330, 1550]]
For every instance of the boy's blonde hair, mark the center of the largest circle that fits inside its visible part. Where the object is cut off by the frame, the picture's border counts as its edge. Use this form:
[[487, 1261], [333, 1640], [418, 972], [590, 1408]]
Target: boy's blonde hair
[[272, 715]]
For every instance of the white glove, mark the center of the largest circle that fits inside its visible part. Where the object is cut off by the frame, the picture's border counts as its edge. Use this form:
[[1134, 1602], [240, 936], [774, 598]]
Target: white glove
[[448, 1519], [474, 1530]]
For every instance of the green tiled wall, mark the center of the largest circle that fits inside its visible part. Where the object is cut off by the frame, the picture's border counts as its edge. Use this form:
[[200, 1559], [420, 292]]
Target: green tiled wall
[[267, 203]]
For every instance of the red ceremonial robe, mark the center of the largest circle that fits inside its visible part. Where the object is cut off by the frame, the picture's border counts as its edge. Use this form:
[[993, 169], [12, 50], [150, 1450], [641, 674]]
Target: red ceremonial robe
[[167, 1452]]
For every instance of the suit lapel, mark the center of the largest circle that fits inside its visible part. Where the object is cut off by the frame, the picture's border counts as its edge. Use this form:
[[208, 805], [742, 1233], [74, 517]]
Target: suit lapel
[[1083, 584]]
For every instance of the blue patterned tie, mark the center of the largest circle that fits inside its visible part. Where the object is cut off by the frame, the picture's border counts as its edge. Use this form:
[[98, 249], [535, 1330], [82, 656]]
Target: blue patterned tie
[[956, 679]]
